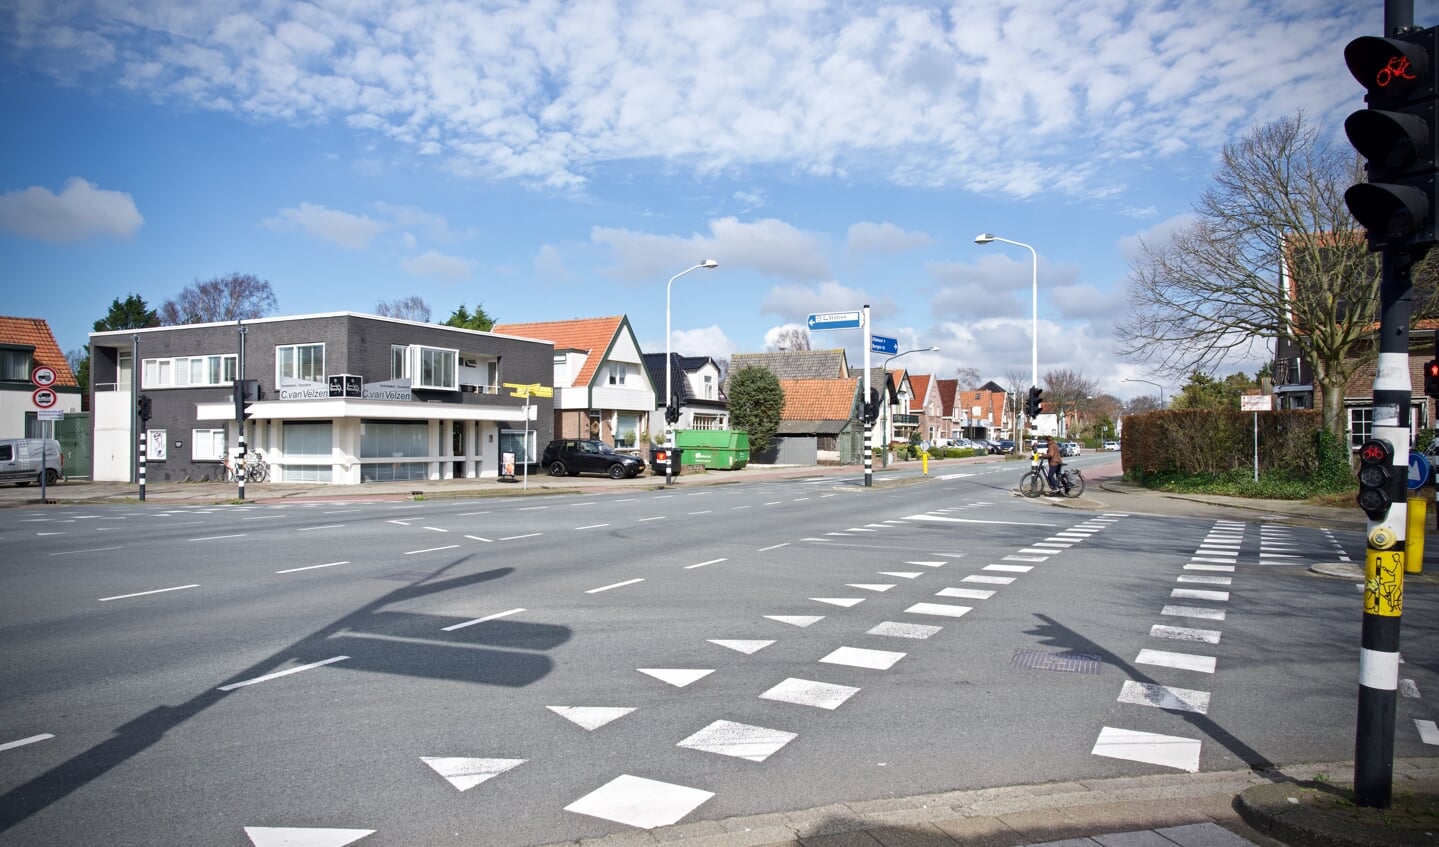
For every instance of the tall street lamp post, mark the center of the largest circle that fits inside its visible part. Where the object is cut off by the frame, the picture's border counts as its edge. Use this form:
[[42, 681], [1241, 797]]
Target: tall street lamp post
[[986, 238], [671, 407], [1149, 382], [884, 369]]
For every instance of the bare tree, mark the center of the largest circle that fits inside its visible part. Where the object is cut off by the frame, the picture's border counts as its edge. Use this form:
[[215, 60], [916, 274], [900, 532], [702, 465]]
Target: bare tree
[[1016, 386], [412, 308], [229, 298], [968, 378], [1272, 253], [791, 338], [1141, 404], [1065, 390]]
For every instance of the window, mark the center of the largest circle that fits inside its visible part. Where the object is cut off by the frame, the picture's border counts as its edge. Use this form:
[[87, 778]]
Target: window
[[207, 445], [399, 361], [617, 374], [182, 371], [627, 429], [307, 448], [300, 363], [437, 368], [709, 387], [1361, 422], [392, 439], [16, 365]]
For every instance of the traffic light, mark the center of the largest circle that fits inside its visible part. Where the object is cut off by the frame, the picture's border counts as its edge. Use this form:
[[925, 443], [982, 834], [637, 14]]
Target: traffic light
[[142, 407], [1034, 405], [1397, 135], [672, 413], [871, 406], [242, 398], [1431, 378], [1376, 469]]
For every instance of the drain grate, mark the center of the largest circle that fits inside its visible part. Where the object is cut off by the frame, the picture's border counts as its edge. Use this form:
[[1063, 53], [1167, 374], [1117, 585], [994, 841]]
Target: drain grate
[[1066, 662]]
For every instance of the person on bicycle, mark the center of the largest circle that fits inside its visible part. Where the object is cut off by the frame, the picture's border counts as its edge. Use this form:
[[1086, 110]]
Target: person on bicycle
[[1055, 457]]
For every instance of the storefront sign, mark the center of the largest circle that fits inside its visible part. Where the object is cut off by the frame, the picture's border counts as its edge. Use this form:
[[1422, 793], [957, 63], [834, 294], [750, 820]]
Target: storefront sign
[[296, 389], [394, 389]]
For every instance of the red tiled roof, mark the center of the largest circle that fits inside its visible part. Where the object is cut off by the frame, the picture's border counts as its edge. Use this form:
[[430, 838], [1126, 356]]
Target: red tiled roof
[[592, 335], [818, 399], [991, 403], [920, 384], [36, 333], [947, 389]]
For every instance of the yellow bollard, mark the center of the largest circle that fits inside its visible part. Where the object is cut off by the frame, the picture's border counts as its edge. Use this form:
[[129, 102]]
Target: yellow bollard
[[1414, 536], [924, 462]]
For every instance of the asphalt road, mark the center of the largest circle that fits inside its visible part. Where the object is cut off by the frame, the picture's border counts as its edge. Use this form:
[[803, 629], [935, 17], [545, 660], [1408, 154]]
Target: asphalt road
[[532, 670]]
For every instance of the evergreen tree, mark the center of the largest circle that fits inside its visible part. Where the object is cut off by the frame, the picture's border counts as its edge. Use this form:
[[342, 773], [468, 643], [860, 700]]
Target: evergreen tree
[[756, 403], [132, 313]]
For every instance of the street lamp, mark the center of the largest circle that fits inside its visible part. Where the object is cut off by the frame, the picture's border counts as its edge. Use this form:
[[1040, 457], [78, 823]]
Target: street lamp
[[669, 391], [884, 369], [986, 238], [1151, 382]]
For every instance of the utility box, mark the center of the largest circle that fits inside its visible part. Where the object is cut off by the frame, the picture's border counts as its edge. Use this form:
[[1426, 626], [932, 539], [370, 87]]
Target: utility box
[[714, 449]]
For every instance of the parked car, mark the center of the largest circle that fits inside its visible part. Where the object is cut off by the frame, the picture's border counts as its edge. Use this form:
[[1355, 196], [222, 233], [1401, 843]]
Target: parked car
[[1069, 448], [22, 458], [574, 456], [1111, 446], [1006, 446]]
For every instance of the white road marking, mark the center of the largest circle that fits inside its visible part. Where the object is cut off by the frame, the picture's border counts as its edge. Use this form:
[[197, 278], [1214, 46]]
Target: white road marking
[[860, 657], [635, 801], [942, 610], [326, 526], [741, 740], [678, 677], [145, 593], [464, 773], [277, 674], [1206, 580], [806, 692], [295, 836], [966, 593], [988, 580], [657, 518], [590, 718], [839, 601], [1169, 751], [90, 550], [927, 564], [702, 564], [946, 519], [592, 526], [772, 547], [431, 550], [1164, 697], [615, 585], [478, 538], [869, 586], [742, 646], [1199, 594], [1407, 688], [797, 620], [902, 574], [312, 567], [434, 529], [1181, 633], [217, 537], [1008, 568], [1182, 661], [1428, 731], [21, 742], [1193, 612], [895, 629], [518, 537], [493, 617], [1211, 568]]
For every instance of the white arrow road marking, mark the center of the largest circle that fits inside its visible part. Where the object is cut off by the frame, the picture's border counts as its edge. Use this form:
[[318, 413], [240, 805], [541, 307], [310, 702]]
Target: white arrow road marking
[[590, 717], [1170, 751], [464, 773], [796, 620], [746, 647], [645, 803], [678, 677], [294, 836], [741, 740]]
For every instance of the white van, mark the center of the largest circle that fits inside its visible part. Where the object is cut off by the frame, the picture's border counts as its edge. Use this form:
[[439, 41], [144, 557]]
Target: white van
[[20, 460]]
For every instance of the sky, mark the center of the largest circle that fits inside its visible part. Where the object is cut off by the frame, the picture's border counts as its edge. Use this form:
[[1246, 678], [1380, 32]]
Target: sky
[[555, 160]]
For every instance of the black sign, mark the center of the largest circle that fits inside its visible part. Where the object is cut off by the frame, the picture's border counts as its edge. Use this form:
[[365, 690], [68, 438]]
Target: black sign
[[345, 385]]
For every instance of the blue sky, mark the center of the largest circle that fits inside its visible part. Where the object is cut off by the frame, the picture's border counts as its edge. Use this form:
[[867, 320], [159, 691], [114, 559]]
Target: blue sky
[[551, 160]]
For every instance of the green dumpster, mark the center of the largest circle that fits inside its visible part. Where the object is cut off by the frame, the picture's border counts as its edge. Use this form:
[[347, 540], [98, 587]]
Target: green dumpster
[[714, 449]]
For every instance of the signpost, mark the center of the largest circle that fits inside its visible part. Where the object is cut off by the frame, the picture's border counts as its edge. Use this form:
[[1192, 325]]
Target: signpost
[[834, 320], [44, 397], [526, 391], [883, 344]]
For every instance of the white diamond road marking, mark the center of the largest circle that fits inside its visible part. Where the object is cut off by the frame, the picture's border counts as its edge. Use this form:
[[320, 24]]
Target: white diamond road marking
[[905, 630], [678, 677], [967, 593], [1008, 568], [1199, 594], [464, 773], [988, 580], [746, 647], [1193, 612], [1182, 633], [839, 601], [870, 586], [806, 692], [1164, 697], [859, 657], [797, 620], [902, 574], [295, 836], [1428, 731], [640, 802], [1407, 688], [741, 740], [938, 609], [590, 717], [1170, 751], [1182, 661]]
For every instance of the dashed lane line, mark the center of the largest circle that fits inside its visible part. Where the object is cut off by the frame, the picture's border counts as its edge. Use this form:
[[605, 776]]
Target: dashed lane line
[[146, 593]]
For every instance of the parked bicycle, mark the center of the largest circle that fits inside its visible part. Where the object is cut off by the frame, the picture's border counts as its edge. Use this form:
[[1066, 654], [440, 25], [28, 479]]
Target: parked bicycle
[[1036, 481], [256, 468]]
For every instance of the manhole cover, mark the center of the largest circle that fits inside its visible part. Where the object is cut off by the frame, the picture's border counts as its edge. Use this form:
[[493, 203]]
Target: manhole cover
[[1067, 662]]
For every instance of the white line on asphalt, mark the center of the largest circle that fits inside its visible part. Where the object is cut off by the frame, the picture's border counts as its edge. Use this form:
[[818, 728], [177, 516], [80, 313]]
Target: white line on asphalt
[[277, 674], [326, 526], [592, 526], [339, 511], [1184, 633], [705, 512], [798, 499], [401, 523], [478, 538], [495, 616], [772, 547], [144, 593], [431, 549], [261, 517], [1181, 661], [469, 514], [735, 508], [656, 518], [773, 503], [91, 550], [517, 537], [615, 585], [945, 519], [217, 537], [11, 745], [435, 529], [702, 564], [312, 567], [530, 508]]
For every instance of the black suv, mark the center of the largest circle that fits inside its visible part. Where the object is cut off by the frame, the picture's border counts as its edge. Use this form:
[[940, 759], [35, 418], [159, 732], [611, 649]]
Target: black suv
[[573, 456]]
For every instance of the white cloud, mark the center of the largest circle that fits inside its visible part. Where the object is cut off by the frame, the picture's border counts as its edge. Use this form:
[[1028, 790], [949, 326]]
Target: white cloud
[[1017, 97], [796, 302], [703, 341], [868, 237], [1155, 236], [437, 265], [769, 246], [352, 232], [79, 211]]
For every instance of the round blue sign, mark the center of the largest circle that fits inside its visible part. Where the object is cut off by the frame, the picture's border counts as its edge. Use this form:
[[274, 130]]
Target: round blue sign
[[1419, 470]]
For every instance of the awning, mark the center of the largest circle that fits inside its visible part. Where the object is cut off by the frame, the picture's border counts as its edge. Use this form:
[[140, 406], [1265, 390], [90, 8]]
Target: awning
[[310, 410]]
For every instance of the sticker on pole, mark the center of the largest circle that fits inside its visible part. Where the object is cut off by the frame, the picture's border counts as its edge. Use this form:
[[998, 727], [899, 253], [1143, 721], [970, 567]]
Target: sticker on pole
[[1419, 470], [44, 398]]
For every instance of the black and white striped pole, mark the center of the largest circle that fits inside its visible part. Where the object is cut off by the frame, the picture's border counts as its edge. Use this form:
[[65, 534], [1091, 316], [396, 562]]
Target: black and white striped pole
[[140, 468], [868, 416]]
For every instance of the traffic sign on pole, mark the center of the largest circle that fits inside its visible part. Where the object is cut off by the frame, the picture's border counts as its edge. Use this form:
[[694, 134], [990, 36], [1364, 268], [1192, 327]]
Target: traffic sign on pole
[[834, 320], [43, 376], [44, 398], [881, 344]]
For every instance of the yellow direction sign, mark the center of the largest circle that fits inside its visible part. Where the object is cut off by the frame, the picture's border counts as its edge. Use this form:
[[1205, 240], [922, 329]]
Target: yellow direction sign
[[533, 389]]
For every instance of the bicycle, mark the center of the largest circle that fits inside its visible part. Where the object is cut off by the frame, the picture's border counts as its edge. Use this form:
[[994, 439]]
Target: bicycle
[[256, 468], [1035, 482]]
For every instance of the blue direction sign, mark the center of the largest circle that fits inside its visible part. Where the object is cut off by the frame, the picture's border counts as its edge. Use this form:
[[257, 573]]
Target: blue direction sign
[[1419, 470], [834, 320], [881, 344]]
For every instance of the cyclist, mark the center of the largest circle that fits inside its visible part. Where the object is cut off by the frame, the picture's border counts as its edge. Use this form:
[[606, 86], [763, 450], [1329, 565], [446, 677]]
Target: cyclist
[[1055, 457]]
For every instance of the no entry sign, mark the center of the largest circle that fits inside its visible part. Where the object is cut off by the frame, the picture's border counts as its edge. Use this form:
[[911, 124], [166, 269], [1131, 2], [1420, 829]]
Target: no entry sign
[[44, 398]]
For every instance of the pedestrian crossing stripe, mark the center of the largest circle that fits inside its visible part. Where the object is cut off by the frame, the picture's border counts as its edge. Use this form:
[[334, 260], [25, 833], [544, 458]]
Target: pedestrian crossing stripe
[[1170, 751]]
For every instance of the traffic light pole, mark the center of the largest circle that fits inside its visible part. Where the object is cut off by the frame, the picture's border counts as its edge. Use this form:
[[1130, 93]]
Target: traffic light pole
[[868, 424]]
